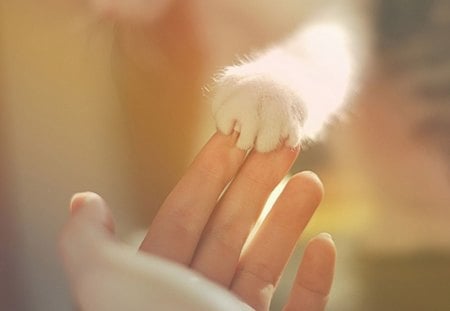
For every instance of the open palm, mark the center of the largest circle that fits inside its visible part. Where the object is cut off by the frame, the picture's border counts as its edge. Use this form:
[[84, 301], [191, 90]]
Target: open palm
[[200, 238]]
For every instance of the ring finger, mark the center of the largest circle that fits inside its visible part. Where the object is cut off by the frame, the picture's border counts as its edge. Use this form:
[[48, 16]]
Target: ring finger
[[263, 261]]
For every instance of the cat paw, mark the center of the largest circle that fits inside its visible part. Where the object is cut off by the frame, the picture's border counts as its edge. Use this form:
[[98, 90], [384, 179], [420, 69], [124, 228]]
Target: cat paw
[[266, 113]]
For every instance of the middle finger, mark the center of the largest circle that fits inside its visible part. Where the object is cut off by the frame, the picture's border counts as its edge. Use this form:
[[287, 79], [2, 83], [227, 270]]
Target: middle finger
[[236, 213]]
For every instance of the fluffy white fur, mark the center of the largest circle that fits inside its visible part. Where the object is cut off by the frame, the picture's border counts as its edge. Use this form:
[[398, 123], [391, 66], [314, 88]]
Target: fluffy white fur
[[289, 92]]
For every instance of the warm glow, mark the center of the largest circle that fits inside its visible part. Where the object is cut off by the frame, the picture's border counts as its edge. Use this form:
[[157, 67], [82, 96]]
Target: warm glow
[[329, 63]]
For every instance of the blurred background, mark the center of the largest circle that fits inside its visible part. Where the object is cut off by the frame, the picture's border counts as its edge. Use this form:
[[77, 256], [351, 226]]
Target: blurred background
[[119, 108]]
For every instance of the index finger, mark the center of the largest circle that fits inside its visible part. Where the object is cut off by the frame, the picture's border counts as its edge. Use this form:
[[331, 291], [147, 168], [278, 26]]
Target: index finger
[[176, 229]]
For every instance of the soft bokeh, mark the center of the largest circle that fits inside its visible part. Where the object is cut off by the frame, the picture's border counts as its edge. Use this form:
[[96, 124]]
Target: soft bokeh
[[121, 111]]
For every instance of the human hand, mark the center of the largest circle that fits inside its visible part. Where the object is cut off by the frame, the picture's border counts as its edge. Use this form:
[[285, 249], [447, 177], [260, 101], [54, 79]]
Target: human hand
[[201, 230]]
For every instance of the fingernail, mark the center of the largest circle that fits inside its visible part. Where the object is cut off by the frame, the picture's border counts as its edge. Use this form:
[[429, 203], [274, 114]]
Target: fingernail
[[81, 199], [310, 173], [325, 235]]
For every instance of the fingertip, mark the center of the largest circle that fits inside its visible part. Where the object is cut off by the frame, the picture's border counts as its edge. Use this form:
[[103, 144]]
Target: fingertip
[[90, 205], [323, 244], [325, 236], [315, 275], [313, 178], [81, 199], [320, 256], [308, 183], [88, 233], [226, 138]]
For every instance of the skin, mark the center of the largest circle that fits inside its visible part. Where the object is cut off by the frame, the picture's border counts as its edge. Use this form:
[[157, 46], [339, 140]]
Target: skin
[[200, 230]]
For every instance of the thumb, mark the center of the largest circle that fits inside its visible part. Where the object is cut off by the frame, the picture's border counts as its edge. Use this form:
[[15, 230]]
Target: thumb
[[89, 229], [91, 211]]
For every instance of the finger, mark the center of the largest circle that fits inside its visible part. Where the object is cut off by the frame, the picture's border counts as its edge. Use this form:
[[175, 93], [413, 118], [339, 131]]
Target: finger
[[93, 209], [88, 230], [314, 277], [176, 229], [264, 259], [220, 247]]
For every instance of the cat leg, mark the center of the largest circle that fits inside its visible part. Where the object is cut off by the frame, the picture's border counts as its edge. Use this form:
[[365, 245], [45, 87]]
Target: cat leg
[[287, 94]]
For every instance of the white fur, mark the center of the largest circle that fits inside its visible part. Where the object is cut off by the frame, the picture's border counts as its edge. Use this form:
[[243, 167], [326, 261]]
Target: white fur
[[288, 93]]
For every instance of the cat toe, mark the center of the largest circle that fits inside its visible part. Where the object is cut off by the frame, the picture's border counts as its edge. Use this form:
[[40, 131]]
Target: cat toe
[[269, 138], [293, 134], [226, 121], [293, 140], [247, 133]]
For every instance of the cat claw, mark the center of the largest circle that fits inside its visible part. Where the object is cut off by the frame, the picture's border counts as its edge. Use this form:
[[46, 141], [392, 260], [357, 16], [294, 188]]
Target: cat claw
[[265, 113]]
